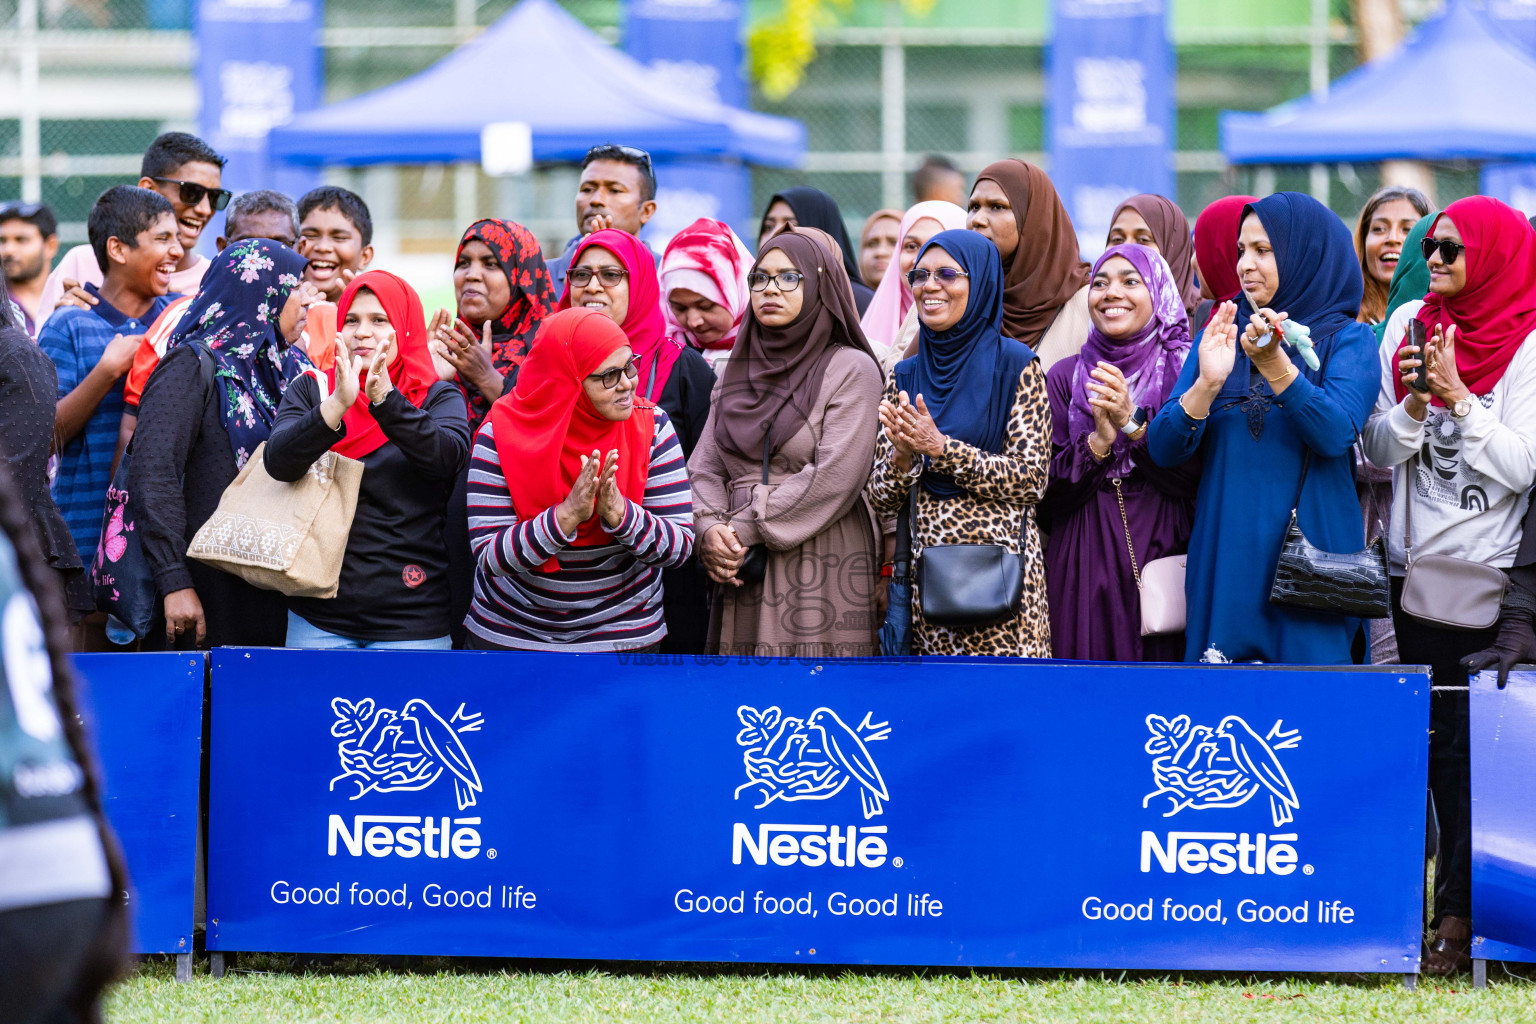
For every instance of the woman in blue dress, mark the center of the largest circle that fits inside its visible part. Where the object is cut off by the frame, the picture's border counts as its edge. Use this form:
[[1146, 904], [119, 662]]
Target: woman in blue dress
[[1251, 413]]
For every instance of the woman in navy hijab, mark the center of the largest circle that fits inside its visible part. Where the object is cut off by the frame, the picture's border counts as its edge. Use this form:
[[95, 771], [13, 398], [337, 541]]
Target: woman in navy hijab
[[968, 424], [1253, 414]]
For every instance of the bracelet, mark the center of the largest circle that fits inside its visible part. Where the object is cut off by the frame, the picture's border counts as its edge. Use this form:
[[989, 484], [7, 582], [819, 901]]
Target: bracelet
[[1094, 451], [1186, 412], [887, 570], [1276, 380]]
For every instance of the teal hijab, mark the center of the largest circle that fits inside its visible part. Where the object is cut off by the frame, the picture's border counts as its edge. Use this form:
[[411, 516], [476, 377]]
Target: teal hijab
[[1411, 278]]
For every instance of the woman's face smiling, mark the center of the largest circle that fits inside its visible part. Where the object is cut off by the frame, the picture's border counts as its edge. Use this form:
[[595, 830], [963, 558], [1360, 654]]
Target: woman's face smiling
[[367, 329], [1446, 279], [612, 299], [1257, 269], [940, 306], [1385, 235], [1119, 302], [618, 402]]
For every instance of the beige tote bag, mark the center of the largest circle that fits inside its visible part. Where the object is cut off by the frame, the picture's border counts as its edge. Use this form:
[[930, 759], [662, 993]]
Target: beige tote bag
[[280, 536]]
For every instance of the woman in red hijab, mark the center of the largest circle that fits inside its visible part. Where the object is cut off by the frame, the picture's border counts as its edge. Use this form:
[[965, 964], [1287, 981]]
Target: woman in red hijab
[[1463, 456], [613, 272], [578, 498], [1216, 255], [383, 405]]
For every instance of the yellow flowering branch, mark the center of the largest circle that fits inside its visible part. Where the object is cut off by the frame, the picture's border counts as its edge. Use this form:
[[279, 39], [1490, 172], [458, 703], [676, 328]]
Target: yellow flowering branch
[[781, 48]]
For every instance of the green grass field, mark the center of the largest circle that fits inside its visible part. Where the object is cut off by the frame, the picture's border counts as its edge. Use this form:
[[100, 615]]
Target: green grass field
[[269, 989]]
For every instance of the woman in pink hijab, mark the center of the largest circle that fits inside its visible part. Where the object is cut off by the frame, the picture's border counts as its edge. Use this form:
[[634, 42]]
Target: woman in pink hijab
[[888, 310], [704, 288]]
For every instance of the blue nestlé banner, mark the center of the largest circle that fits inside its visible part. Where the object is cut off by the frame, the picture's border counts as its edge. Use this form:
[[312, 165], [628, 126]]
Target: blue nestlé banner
[[148, 714], [1503, 740], [695, 46], [1109, 109], [258, 64], [935, 812]]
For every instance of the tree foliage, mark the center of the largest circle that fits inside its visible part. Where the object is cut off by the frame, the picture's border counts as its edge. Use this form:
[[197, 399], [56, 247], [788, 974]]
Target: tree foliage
[[780, 48]]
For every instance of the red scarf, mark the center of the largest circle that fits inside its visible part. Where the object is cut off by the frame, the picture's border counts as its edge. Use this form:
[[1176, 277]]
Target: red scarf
[[544, 427], [411, 371], [1495, 311], [1216, 246], [643, 323]]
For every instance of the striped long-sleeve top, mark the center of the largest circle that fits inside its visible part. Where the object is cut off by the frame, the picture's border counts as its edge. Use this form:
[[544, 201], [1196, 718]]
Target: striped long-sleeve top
[[604, 598]]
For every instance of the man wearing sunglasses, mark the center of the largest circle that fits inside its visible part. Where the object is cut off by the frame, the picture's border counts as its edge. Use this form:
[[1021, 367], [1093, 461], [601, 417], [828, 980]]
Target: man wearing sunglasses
[[182, 168], [617, 190]]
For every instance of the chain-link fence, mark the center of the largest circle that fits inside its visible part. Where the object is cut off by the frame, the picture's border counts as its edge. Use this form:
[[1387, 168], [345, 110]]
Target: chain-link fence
[[975, 98]]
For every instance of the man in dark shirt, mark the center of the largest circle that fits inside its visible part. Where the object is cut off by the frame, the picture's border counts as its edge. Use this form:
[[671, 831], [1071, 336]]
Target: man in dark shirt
[[617, 190]]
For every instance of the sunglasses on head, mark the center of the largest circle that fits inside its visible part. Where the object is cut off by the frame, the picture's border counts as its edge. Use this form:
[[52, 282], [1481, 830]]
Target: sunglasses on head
[[610, 378], [1450, 251], [946, 275], [17, 208], [192, 193]]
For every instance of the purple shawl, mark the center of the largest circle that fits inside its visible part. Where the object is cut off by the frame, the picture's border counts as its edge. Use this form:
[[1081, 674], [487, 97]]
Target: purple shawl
[[1150, 359]]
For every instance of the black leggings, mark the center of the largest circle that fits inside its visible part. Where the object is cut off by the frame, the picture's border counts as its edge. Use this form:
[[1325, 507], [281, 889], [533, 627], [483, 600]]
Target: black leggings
[[1450, 778]]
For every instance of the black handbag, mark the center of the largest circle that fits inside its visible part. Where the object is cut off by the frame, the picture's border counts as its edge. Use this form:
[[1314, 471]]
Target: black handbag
[[1346, 584], [754, 564], [969, 585]]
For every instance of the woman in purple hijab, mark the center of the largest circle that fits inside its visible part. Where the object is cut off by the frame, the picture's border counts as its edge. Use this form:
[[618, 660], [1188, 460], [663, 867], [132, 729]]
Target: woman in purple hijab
[[1107, 501]]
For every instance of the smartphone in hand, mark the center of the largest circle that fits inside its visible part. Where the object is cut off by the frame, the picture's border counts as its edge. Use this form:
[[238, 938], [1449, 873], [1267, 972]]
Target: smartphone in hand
[[1416, 338]]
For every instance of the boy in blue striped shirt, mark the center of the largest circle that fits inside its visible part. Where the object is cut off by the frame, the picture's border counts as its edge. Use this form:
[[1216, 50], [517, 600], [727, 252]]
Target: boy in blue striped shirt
[[134, 235]]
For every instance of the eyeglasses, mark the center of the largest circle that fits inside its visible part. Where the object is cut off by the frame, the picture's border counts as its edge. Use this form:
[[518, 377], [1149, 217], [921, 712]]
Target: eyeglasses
[[610, 378], [192, 193], [1450, 251], [946, 275], [786, 281], [609, 277]]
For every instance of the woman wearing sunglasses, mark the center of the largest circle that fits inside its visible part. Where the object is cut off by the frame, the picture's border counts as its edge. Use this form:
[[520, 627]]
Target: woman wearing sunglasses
[[968, 426], [1461, 441], [1109, 508], [578, 499], [613, 272], [779, 473]]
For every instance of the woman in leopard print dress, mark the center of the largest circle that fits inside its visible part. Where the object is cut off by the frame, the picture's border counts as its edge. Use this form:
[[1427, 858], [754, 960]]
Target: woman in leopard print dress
[[967, 422]]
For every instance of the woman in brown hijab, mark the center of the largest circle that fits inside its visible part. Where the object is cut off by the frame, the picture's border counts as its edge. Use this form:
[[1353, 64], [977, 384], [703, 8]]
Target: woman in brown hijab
[[778, 475], [1045, 279], [1157, 223]]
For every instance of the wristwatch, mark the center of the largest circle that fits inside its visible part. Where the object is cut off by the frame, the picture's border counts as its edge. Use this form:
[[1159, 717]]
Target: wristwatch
[[1462, 409], [1136, 424]]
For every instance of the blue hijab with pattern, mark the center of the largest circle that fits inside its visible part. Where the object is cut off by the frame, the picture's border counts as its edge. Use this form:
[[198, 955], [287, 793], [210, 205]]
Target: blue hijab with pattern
[[967, 375], [236, 315]]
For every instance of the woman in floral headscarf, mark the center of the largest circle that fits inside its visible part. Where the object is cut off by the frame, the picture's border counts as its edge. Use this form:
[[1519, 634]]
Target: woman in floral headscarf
[[704, 288], [503, 293], [209, 404]]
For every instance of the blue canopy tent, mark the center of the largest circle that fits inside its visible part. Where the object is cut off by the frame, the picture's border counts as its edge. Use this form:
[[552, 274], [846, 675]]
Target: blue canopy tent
[[1454, 90], [550, 72]]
